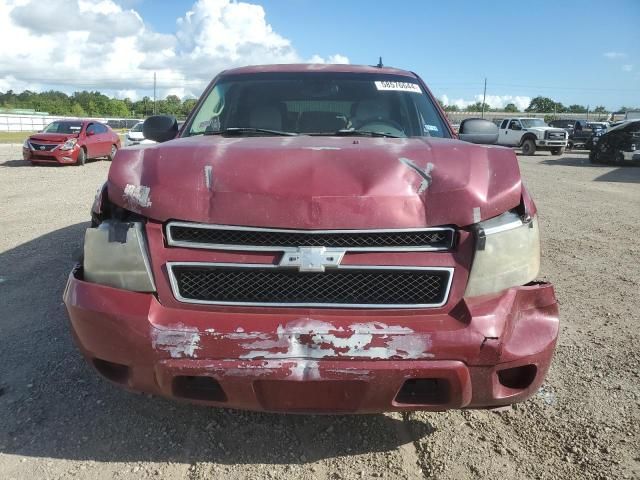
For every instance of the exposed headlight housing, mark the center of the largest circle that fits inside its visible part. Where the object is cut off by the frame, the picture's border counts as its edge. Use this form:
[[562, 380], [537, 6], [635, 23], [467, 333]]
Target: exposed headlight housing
[[69, 144], [115, 254], [26, 144], [507, 254]]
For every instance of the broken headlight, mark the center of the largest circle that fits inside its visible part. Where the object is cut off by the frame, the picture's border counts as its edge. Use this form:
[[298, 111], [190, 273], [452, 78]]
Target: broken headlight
[[115, 254], [69, 144], [507, 254]]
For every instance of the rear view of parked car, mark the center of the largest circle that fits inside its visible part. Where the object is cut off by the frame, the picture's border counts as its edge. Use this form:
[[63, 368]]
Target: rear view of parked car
[[71, 142], [619, 145]]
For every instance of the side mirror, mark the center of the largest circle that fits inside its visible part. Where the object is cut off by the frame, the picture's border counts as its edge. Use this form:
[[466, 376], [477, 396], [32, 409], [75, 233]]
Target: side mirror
[[160, 128], [476, 130], [90, 133]]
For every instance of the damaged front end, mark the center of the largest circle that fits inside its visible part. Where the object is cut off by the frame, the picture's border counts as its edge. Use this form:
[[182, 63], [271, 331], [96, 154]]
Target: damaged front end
[[316, 240], [144, 322]]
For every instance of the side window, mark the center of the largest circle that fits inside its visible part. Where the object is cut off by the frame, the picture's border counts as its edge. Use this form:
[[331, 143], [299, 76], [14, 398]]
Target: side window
[[515, 125], [503, 125], [100, 128], [91, 128]]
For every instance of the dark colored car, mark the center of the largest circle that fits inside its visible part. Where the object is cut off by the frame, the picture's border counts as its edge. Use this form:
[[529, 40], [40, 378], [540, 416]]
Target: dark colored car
[[619, 145], [578, 130], [71, 142], [316, 239], [597, 130]]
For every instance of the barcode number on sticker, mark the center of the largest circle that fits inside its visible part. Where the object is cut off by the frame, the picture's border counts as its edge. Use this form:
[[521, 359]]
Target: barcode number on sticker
[[398, 86]]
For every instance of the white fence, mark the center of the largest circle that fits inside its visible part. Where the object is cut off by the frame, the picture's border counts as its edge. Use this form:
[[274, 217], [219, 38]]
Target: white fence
[[10, 122], [457, 117]]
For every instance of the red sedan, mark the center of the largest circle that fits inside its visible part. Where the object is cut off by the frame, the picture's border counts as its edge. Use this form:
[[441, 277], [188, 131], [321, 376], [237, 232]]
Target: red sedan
[[71, 141]]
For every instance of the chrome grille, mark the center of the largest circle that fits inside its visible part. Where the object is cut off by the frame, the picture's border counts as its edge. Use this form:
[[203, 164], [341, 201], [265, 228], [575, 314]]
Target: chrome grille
[[345, 286], [556, 135], [250, 238]]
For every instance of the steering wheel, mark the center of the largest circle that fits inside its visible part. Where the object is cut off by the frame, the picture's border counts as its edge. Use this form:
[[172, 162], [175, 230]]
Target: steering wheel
[[378, 121]]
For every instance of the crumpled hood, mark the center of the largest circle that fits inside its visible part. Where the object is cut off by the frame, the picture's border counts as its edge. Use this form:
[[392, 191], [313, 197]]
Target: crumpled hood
[[52, 137], [316, 182]]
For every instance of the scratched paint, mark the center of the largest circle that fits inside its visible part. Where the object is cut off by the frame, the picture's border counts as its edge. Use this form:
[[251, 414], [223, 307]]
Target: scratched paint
[[312, 339], [179, 340], [136, 196]]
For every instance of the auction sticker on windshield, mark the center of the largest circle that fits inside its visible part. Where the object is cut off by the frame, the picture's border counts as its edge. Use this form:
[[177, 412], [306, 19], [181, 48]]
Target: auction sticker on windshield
[[398, 86]]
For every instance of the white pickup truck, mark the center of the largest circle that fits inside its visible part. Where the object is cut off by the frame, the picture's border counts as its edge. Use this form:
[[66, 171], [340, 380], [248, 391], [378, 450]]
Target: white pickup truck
[[532, 134]]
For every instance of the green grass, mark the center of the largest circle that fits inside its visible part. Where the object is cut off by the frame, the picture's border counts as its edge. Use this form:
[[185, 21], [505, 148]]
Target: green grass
[[14, 137]]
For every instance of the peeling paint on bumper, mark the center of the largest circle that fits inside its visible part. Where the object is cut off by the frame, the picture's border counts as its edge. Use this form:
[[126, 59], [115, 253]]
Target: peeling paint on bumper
[[300, 360]]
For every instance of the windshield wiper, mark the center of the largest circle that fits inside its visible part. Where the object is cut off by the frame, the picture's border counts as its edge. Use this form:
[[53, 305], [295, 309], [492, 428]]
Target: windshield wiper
[[365, 133], [243, 130]]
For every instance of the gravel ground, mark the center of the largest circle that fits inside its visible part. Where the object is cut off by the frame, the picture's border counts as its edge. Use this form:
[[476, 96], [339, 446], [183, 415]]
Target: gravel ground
[[59, 420]]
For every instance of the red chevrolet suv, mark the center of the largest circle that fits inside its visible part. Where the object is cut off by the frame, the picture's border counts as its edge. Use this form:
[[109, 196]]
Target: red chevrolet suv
[[71, 141], [316, 239]]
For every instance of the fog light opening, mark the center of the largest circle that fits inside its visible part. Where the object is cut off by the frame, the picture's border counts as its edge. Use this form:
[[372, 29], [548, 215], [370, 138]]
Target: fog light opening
[[518, 378], [115, 372], [198, 388], [424, 391]]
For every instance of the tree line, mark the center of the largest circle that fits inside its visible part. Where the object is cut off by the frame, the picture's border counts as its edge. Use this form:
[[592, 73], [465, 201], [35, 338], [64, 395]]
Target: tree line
[[537, 105], [94, 104]]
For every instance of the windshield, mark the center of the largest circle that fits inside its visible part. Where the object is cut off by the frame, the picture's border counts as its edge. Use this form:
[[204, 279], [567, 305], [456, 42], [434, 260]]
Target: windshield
[[63, 127], [137, 127], [533, 122], [563, 123], [318, 104]]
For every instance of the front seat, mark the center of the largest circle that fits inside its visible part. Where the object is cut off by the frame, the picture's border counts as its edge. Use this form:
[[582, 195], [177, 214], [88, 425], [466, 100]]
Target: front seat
[[370, 110], [266, 116]]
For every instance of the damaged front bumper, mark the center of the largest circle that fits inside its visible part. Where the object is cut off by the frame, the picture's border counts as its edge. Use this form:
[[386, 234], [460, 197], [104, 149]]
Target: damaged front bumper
[[57, 155], [485, 352]]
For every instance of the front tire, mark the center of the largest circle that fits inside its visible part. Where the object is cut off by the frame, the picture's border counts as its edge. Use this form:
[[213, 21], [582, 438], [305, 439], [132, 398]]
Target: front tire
[[528, 147], [557, 151], [82, 157], [113, 152]]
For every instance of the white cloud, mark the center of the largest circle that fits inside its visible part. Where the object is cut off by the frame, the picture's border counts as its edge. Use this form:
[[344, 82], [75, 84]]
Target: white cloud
[[331, 59], [627, 68], [614, 55], [494, 101], [110, 48]]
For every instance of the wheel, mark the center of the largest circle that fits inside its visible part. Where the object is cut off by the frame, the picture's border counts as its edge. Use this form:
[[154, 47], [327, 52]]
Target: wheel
[[82, 157], [557, 151], [113, 152], [528, 147]]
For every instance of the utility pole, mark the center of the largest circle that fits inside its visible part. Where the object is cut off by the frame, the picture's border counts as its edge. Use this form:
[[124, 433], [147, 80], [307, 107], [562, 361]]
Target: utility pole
[[484, 97], [154, 93]]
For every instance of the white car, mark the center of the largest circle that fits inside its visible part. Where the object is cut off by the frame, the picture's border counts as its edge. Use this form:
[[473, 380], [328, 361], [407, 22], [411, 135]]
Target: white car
[[135, 137], [531, 134]]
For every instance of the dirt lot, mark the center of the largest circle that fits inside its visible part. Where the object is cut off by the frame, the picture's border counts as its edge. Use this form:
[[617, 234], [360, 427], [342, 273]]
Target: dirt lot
[[59, 420]]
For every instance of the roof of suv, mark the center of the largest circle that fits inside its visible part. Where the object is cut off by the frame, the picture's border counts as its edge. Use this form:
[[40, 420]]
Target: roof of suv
[[318, 67]]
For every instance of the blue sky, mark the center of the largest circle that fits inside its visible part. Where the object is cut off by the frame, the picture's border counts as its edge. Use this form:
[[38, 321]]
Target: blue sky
[[585, 52], [550, 48]]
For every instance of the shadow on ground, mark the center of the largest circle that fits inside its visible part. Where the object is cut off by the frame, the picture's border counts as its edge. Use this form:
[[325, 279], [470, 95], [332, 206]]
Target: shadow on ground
[[15, 163], [619, 174], [53, 405]]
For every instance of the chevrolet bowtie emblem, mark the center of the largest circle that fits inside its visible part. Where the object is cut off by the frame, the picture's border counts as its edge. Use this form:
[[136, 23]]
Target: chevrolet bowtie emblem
[[312, 259]]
